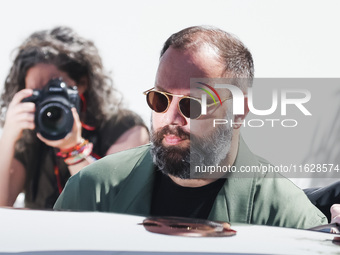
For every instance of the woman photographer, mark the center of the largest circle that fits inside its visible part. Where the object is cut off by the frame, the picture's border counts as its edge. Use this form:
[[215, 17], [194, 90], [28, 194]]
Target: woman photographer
[[38, 166]]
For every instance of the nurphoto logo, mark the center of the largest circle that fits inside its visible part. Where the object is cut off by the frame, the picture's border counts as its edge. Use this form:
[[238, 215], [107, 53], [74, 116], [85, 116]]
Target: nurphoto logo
[[280, 100]]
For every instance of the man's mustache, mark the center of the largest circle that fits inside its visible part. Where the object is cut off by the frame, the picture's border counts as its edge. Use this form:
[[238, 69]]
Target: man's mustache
[[168, 130]]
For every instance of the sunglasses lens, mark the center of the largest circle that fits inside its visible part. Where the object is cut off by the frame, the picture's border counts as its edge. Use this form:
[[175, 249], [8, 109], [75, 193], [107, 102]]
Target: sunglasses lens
[[157, 101], [190, 108]]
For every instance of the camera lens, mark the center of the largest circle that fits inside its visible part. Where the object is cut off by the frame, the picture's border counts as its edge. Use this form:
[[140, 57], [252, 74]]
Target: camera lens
[[52, 118], [55, 120]]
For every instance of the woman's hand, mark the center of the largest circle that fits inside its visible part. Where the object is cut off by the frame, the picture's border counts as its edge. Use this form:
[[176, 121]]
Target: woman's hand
[[19, 116], [71, 139]]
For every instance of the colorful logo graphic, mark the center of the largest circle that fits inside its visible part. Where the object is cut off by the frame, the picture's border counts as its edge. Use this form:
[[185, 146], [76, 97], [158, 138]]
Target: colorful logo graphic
[[209, 93], [204, 97], [278, 101]]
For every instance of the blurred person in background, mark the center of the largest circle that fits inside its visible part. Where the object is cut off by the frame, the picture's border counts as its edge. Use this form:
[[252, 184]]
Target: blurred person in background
[[40, 164]]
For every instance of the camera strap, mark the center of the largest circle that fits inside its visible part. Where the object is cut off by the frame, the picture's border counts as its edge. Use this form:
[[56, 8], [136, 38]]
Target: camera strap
[[57, 175], [56, 171], [83, 110]]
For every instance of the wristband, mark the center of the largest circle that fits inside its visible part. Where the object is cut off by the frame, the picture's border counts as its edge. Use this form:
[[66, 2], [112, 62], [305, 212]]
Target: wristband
[[77, 153], [73, 150]]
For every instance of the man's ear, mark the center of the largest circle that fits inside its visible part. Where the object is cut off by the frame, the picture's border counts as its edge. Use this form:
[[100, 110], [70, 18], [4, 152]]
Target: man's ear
[[239, 119], [82, 84]]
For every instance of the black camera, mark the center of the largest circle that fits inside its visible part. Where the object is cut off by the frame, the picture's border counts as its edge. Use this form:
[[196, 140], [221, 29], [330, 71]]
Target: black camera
[[53, 115]]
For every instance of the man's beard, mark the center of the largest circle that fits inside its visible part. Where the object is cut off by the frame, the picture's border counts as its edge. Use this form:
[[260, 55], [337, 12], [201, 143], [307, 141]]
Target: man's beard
[[209, 150]]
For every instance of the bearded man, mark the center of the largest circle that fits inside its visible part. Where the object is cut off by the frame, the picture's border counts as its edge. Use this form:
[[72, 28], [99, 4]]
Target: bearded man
[[161, 179]]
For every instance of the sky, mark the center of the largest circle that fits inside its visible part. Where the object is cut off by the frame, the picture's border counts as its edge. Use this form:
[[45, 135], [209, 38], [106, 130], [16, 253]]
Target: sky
[[288, 39]]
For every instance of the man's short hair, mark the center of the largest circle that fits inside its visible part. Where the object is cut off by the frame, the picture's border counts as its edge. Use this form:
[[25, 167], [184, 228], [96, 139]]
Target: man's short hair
[[233, 54]]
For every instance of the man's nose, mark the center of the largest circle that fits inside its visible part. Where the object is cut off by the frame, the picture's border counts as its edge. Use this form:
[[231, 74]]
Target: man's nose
[[173, 116]]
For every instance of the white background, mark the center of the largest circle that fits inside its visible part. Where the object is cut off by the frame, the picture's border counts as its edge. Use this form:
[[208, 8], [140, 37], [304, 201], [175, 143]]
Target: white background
[[287, 38]]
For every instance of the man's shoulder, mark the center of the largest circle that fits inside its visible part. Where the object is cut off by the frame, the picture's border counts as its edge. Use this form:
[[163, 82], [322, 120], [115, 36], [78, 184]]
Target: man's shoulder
[[275, 200], [118, 165], [246, 160], [109, 184]]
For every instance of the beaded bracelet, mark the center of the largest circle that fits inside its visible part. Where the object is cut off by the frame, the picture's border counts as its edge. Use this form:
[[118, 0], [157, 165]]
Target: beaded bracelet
[[73, 150], [77, 153]]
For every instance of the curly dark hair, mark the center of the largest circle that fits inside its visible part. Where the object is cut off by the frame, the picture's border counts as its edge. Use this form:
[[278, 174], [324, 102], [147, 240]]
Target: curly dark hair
[[76, 56]]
